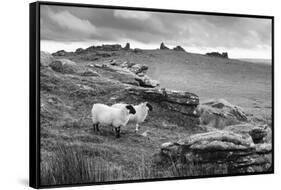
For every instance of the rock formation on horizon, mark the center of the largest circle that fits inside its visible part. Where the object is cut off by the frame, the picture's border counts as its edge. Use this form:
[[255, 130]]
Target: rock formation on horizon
[[217, 54], [163, 47], [179, 48], [113, 47], [105, 47], [79, 50], [127, 47], [60, 53]]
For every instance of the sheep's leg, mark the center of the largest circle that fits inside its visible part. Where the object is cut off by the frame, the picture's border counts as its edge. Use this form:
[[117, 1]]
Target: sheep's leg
[[97, 126], [137, 127], [117, 131]]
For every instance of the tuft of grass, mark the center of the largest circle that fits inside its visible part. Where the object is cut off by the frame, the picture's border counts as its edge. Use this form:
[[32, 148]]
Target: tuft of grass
[[68, 165], [176, 168]]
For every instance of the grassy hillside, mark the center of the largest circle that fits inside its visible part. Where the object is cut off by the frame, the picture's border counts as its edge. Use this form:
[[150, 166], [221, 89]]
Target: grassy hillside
[[70, 146], [246, 84], [66, 128]]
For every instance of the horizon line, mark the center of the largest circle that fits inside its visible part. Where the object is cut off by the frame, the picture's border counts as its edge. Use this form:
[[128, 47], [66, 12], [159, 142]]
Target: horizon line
[[73, 49]]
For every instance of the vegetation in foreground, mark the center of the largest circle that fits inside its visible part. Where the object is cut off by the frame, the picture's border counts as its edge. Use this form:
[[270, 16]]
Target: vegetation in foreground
[[71, 166]]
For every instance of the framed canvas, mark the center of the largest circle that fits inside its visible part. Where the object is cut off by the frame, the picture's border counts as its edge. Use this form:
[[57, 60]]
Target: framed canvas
[[126, 94]]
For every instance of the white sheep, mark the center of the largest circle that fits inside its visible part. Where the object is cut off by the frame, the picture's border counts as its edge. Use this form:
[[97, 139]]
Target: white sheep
[[115, 117], [140, 115]]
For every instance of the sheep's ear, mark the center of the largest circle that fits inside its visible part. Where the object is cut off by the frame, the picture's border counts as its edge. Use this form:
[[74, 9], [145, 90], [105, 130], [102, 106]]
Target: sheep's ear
[[149, 106], [131, 109]]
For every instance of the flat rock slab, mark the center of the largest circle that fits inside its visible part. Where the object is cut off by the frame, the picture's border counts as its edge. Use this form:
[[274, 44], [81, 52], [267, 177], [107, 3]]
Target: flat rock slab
[[236, 151]]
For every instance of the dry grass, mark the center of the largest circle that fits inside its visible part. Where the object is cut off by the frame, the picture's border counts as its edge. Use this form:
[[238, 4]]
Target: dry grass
[[69, 165]]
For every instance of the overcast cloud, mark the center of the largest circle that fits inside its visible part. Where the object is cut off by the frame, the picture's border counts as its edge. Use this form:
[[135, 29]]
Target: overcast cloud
[[72, 25]]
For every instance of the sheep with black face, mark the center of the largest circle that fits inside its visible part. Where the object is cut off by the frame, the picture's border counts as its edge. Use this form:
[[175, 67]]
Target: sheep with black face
[[140, 115], [111, 116]]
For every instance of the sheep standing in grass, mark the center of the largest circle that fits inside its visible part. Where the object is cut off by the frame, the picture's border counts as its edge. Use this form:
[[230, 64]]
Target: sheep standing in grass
[[116, 117], [140, 115]]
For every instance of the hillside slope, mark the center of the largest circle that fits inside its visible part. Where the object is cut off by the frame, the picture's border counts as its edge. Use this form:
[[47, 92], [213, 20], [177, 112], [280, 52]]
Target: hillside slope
[[67, 96], [70, 83]]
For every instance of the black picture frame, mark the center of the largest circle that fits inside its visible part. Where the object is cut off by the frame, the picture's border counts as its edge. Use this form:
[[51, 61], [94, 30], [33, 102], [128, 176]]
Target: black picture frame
[[34, 90]]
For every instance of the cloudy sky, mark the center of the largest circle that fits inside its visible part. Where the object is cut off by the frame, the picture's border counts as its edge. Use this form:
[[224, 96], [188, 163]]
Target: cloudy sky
[[69, 28]]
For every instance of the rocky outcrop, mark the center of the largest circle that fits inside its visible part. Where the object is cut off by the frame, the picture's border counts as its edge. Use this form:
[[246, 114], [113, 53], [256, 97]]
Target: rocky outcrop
[[64, 66], [60, 53], [79, 50], [127, 47], [125, 64], [163, 47], [179, 48], [179, 101], [237, 152], [138, 68], [131, 69], [146, 81], [90, 48], [131, 66], [217, 54], [104, 47], [46, 58], [108, 47], [259, 133], [220, 113], [137, 50]]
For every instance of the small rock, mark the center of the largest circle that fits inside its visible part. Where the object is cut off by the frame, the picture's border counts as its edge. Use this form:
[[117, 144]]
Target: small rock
[[220, 113], [147, 82], [64, 66], [258, 134], [166, 144], [129, 64], [99, 65], [141, 74], [113, 62], [147, 133], [138, 68], [46, 58], [91, 65], [90, 74], [66, 62]]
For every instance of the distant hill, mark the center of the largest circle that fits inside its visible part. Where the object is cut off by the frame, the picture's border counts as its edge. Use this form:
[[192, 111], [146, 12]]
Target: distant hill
[[260, 61]]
